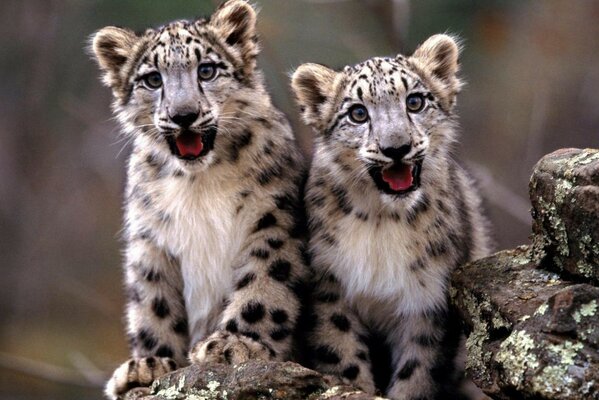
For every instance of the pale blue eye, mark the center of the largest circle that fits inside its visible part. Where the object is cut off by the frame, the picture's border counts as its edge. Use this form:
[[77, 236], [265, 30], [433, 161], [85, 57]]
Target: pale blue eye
[[415, 102], [206, 71], [153, 80], [358, 113]]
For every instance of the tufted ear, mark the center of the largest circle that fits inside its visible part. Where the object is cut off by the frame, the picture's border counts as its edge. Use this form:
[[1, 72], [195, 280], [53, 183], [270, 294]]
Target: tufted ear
[[313, 85], [235, 22], [439, 54], [111, 47]]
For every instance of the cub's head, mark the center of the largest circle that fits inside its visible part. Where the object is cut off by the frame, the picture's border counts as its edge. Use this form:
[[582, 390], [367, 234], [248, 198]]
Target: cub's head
[[170, 84], [386, 119]]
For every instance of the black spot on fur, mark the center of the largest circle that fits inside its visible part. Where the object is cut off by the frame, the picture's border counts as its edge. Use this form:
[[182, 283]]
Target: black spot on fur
[[228, 355], [246, 280], [260, 253], [341, 322], [252, 312], [351, 372], [231, 326], [279, 316], [280, 334], [160, 307], [238, 143], [436, 249], [327, 355], [210, 346], [266, 176], [147, 339], [266, 221], [251, 335], [150, 362], [408, 369], [164, 351], [152, 276], [362, 355], [275, 243], [342, 199], [172, 365], [264, 122], [327, 297], [180, 327], [425, 340], [279, 270]]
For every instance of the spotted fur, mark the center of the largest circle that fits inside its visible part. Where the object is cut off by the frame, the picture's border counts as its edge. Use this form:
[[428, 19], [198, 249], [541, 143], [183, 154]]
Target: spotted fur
[[382, 255], [212, 258]]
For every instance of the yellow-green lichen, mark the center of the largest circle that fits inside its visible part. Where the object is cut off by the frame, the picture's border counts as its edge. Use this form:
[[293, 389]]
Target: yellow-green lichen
[[557, 226], [542, 309], [554, 380], [566, 351], [479, 359], [585, 269], [213, 385], [562, 189], [176, 391], [516, 356], [586, 310]]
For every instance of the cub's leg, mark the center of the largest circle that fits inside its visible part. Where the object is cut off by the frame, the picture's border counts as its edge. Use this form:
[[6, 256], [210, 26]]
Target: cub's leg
[[424, 357], [338, 338], [156, 327], [262, 312]]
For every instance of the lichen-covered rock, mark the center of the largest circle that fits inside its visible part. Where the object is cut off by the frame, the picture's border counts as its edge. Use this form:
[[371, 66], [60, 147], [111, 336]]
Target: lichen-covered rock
[[532, 333], [564, 191], [253, 380]]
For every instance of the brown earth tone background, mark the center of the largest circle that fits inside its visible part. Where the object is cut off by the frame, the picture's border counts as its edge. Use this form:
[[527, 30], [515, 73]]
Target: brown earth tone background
[[533, 86]]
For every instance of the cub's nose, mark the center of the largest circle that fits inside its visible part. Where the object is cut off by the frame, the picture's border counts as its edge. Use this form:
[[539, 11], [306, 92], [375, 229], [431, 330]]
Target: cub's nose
[[396, 153], [184, 120]]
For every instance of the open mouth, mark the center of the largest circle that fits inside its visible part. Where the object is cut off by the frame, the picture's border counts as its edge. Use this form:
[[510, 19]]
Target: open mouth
[[398, 178], [191, 146]]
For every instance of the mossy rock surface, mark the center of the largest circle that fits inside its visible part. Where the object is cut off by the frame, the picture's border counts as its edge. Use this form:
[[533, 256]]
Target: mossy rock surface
[[254, 380], [532, 334], [564, 191]]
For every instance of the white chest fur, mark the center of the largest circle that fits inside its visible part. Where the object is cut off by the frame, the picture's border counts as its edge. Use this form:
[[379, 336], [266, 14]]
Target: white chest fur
[[201, 232], [373, 261]]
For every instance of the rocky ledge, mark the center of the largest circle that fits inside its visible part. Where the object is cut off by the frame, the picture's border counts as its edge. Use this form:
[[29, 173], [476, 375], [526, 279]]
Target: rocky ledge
[[253, 380], [533, 313]]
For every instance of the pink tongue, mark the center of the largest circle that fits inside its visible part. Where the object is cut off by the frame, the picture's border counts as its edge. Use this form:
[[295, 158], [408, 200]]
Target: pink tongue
[[398, 177], [189, 144]]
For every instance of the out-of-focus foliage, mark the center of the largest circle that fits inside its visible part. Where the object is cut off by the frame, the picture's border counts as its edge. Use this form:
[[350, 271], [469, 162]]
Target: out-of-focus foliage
[[533, 73]]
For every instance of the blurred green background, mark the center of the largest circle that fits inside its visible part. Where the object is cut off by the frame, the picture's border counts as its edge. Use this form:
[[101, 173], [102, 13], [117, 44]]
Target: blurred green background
[[533, 86]]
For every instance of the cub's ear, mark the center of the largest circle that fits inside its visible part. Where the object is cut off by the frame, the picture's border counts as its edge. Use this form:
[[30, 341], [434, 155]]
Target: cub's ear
[[235, 22], [111, 47], [439, 56], [313, 86]]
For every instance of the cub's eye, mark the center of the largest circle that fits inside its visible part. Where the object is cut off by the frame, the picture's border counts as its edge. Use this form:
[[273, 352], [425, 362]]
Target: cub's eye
[[206, 71], [153, 80], [415, 102], [358, 113]]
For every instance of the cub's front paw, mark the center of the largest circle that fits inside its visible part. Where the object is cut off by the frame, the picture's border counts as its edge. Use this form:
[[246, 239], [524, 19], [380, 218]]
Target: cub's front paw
[[137, 373], [228, 348]]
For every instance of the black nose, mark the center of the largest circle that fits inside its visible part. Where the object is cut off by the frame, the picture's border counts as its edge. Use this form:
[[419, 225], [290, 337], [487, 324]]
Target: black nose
[[184, 120], [396, 153]]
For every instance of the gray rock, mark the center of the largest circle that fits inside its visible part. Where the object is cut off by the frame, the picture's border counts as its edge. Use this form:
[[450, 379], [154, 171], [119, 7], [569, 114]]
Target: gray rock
[[564, 191], [532, 333], [253, 380]]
